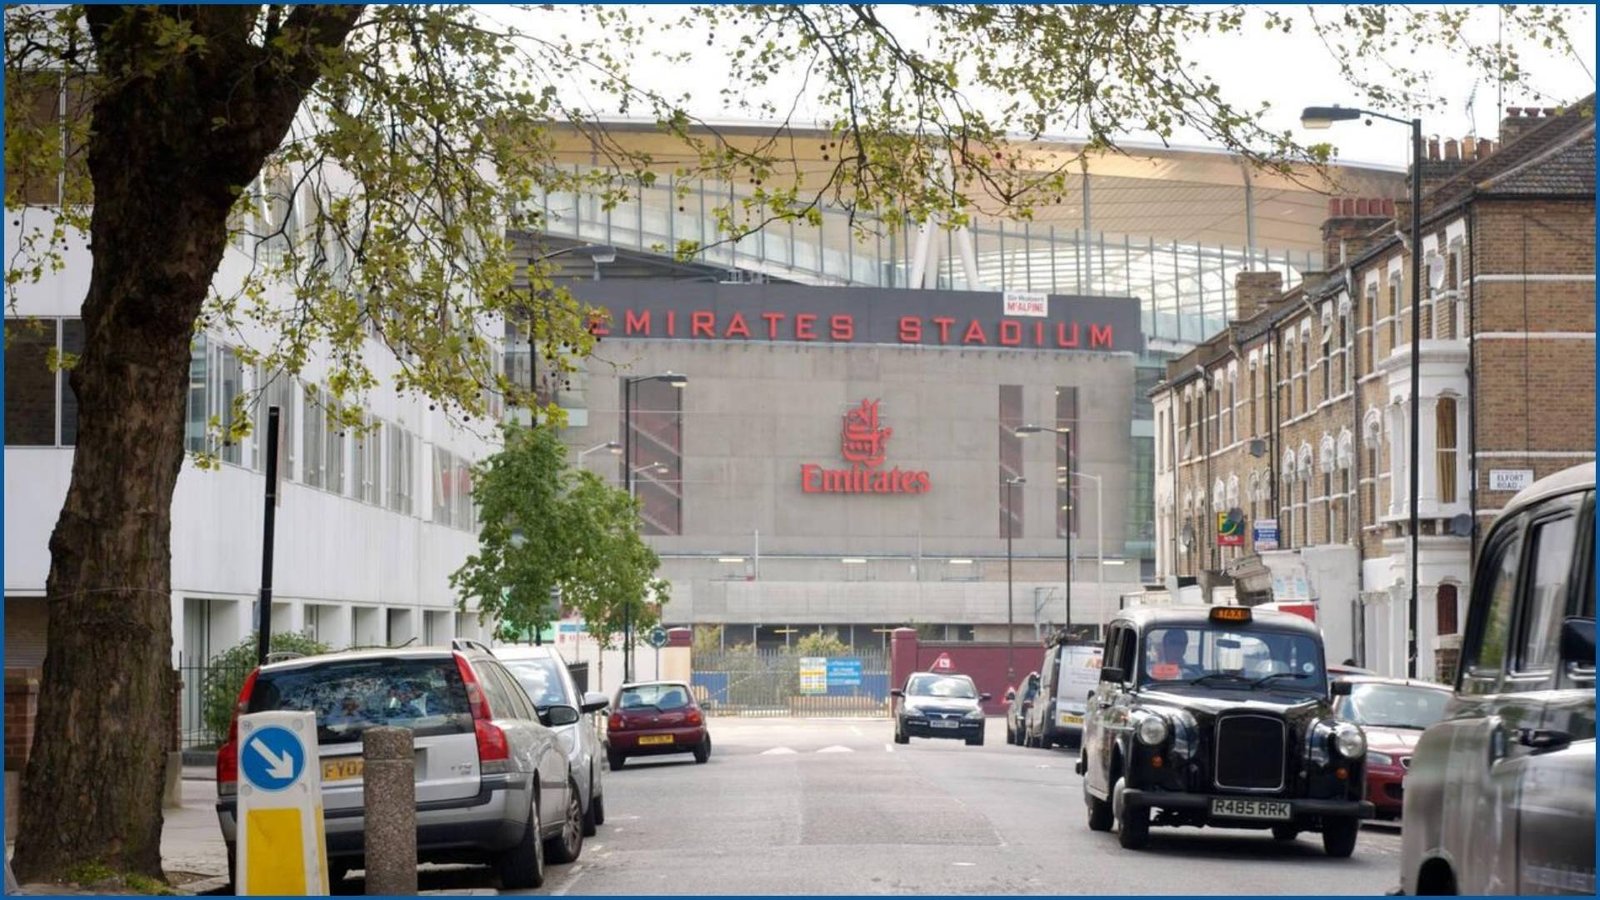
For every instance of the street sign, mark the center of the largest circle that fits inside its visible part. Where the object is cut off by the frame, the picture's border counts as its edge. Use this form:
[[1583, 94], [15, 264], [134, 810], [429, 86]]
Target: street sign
[[844, 672], [658, 637], [281, 848], [1509, 479], [272, 758], [1027, 303], [1230, 528], [1266, 534], [942, 664]]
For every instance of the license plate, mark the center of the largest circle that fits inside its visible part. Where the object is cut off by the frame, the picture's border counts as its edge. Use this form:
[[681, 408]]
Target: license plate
[[342, 769], [945, 723], [1249, 809], [655, 739], [1070, 719]]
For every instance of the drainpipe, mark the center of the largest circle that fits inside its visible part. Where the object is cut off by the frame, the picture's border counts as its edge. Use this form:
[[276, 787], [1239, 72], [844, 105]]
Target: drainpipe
[[1472, 380], [1272, 410]]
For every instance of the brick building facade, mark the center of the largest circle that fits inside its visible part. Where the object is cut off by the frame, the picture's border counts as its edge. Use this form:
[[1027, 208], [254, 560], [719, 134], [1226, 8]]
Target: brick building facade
[[1298, 415]]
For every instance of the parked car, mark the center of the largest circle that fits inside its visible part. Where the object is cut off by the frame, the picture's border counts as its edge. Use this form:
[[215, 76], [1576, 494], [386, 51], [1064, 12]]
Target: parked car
[[1393, 712], [1019, 702], [1500, 795], [494, 785], [650, 718], [543, 674], [1068, 677], [1220, 716], [934, 705]]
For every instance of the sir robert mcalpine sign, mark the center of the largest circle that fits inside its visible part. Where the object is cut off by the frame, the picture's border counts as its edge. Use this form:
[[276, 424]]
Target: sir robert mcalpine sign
[[863, 444], [768, 313]]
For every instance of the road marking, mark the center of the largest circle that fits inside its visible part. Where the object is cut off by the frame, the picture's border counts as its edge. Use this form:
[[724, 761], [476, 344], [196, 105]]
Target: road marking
[[836, 749], [889, 747], [855, 731], [963, 864], [777, 751], [577, 872]]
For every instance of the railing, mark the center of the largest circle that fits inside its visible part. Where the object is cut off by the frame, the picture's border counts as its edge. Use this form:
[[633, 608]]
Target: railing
[[206, 702]]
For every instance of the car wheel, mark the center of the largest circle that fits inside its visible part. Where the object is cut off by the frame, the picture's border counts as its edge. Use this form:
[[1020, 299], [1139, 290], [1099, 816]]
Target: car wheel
[[233, 862], [337, 873], [616, 759], [597, 809], [590, 825], [522, 865], [1011, 735], [1339, 836], [566, 846], [975, 741], [703, 751], [1100, 817], [900, 737], [1285, 832], [1133, 825]]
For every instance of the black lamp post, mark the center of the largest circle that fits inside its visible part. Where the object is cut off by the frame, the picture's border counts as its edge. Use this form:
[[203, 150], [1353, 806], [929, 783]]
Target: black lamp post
[[1323, 117], [628, 470], [1067, 475], [1011, 626]]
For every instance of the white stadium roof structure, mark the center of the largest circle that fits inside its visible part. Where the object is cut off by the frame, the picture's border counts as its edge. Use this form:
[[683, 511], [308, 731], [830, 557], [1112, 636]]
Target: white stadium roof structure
[[1169, 225]]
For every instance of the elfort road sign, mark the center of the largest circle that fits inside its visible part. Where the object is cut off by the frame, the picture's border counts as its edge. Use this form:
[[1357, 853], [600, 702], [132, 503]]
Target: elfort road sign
[[272, 758]]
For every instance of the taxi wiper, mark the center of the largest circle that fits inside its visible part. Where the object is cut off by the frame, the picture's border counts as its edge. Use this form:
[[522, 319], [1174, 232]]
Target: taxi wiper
[[1202, 678], [1298, 676]]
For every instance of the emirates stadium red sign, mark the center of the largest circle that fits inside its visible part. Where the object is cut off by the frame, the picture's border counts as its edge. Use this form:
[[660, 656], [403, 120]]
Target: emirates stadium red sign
[[863, 444]]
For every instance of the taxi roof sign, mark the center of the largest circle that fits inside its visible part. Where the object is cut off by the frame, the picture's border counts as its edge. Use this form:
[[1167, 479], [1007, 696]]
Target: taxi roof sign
[[1230, 614]]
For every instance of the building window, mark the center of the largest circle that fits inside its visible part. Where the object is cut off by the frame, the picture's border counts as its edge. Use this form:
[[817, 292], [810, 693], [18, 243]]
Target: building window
[[656, 447], [1327, 360], [1233, 406], [1397, 320], [1446, 437], [313, 442], [1286, 373], [1305, 370], [216, 382], [41, 408], [1372, 328], [366, 461], [275, 390], [1067, 505], [402, 468], [333, 445], [445, 487], [1011, 505], [1445, 609]]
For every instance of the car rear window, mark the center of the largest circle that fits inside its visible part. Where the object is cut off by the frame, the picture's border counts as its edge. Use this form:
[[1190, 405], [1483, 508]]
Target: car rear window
[[661, 696], [541, 678], [425, 695]]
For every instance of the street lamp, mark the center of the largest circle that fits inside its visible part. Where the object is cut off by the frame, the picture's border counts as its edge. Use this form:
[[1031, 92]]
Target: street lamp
[[1024, 430], [1099, 533], [612, 446], [598, 254], [628, 381], [1323, 117], [1011, 628]]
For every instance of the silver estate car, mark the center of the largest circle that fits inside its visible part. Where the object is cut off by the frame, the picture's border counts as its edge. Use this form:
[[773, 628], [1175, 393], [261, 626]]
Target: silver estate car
[[544, 675], [1499, 798], [493, 784]]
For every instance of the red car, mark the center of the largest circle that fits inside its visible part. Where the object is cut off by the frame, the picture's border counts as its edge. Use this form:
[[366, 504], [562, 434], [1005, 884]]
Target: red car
[[649, 718], [1393, 712]]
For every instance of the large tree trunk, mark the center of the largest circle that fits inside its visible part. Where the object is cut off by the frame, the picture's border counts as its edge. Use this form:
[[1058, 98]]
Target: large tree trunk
[[164, 178]]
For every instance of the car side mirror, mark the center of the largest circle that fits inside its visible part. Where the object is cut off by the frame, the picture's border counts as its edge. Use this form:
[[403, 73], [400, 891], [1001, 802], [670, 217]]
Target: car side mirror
[[594, 702], [1577, 641], [556, 716], [1339, 688], [896, 692], [984, 697], [1112, 674]]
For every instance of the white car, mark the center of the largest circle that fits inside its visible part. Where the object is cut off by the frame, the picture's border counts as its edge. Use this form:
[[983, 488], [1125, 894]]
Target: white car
[[543, 674]]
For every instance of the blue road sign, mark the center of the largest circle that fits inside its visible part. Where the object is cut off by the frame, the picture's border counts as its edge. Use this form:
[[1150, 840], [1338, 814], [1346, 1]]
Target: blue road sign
[[658, 637], [272, 758], [844, 672]]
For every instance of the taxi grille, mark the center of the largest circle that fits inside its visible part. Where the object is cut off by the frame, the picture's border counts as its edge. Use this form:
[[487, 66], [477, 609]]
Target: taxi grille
[[1250, 753]]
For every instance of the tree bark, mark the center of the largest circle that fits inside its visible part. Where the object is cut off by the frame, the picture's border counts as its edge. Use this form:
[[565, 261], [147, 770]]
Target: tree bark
[[164, 176]]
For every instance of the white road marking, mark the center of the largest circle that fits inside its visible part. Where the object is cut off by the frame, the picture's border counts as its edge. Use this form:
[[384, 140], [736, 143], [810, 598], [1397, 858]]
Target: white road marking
[[777, 751], [836, 749], [577, 872], [963, 864], [889, 747]]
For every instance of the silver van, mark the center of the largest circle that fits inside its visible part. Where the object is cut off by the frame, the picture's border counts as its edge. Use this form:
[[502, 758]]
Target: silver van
[[1069, 674], [493, 785], [1500, 796]]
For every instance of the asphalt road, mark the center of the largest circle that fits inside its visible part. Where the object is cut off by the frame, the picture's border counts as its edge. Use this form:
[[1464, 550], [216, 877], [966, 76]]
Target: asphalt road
[[790, 806]]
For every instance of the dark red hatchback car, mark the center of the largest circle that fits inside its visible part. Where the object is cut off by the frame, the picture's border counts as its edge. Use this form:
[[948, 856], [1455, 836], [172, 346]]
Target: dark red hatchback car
[[649, 718], [1393, 712]]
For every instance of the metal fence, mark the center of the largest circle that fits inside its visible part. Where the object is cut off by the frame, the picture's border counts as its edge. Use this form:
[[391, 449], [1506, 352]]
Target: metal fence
[[769, 683], [206, 701]]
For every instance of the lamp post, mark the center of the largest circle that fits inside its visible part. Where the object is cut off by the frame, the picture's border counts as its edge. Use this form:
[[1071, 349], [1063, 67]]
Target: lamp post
[[628, 382], [1099, 536], [1024, 430], [1316, 117], [612, 446], [1011, 629]]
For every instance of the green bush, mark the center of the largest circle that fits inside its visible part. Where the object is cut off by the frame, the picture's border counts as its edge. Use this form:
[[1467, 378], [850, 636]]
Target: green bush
[[224, 676]]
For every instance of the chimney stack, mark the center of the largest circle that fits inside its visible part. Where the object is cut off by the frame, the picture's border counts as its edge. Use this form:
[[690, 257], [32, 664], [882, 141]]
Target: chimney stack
[[1520, 120], [1253, 291], [1349, 229]]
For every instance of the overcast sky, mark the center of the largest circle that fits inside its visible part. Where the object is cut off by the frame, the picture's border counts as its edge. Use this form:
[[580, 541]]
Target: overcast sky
[[1290, 72]]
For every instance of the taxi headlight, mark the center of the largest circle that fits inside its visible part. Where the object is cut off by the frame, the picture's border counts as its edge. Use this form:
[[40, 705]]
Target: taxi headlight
[[1152, 730], [1349, 741]]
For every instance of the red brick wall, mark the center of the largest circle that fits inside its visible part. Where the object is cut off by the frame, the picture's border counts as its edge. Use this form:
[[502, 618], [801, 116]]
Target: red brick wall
[[21, 708]]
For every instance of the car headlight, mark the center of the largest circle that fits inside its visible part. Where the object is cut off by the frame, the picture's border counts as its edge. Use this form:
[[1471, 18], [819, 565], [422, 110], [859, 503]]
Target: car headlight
[[975, 714], [1374, 758], [1152, 730], [1349, 741]]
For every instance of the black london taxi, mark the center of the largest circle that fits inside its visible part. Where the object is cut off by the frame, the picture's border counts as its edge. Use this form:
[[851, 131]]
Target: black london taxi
[[1220, 716], [1500, 796]]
